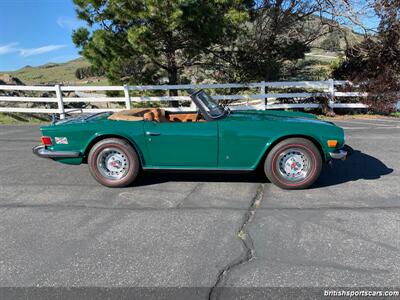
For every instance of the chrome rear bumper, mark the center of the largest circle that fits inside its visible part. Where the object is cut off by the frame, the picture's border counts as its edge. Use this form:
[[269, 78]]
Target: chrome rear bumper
[[42, 151]]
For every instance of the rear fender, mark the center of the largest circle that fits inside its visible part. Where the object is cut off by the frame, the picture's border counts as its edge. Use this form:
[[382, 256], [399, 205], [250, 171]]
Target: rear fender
[[104, 135]]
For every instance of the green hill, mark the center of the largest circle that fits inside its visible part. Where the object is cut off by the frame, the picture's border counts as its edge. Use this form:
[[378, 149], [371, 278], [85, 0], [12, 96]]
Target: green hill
[[52, 73]]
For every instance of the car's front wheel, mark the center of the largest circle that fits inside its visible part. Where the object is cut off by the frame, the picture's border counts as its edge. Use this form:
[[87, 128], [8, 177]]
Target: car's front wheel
[[113, 162], [294, 163]]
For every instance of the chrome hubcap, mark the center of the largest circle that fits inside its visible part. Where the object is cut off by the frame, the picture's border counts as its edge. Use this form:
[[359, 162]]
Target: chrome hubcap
[[112, 163], [294, 164]]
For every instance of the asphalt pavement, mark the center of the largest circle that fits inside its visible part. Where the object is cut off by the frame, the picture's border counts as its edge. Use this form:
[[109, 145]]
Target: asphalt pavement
[[58, 227]]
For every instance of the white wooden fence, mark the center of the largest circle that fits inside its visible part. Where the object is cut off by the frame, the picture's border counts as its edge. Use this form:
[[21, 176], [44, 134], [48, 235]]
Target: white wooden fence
[[260, 100]]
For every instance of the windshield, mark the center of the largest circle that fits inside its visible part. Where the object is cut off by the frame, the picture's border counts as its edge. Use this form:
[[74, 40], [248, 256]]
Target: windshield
[[210, 105]]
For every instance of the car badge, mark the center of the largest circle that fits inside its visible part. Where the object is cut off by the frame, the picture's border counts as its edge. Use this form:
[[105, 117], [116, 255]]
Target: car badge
[[61, 140]]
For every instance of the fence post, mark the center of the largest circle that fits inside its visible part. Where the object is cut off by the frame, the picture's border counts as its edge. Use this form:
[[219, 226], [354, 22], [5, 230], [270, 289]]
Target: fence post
[[331, 92], [263, 98], [127, 97], [60, 101]]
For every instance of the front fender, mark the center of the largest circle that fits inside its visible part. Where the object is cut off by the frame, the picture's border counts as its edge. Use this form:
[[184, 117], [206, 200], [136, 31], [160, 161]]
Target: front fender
[[278, 138]]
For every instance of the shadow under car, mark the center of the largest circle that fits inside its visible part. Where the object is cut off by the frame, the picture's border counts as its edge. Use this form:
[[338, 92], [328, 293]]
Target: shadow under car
[[358, 166]]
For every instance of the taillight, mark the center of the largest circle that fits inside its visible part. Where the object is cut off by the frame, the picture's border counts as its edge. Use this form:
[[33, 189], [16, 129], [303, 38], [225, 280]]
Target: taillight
[[46, 140]]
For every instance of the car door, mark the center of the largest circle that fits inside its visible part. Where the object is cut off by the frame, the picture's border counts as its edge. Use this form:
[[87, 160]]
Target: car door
[[182, 144]]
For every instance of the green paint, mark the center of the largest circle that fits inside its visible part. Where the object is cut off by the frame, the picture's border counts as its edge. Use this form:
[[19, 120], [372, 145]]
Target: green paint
[[237, 142]]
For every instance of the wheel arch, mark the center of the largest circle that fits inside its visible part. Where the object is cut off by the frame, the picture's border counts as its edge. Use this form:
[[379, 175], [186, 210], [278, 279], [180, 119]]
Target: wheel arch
[[100, 137], [284, 137]]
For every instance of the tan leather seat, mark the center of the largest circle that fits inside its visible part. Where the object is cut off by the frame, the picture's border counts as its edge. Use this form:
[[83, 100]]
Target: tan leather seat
[[159, 115], [135, 114], [183, 117], [153, 114]]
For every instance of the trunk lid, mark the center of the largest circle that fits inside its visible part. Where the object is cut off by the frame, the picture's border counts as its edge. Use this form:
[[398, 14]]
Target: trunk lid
[[82, 118]]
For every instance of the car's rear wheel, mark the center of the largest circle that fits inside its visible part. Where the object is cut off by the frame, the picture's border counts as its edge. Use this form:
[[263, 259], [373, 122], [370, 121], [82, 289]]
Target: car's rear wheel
[[294, 163], [113, 162]]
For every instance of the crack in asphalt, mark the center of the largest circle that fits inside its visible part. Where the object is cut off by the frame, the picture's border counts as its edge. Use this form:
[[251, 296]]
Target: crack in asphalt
[[247, 243], [195, 189]]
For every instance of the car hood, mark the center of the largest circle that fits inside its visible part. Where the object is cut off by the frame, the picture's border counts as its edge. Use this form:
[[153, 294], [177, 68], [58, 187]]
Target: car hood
[[275, 115]]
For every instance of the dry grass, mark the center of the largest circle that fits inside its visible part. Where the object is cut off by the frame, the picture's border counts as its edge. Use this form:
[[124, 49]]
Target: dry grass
[[360, 116], [20, 118]]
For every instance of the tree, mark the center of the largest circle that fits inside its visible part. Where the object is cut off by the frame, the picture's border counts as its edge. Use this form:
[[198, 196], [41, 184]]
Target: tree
[[142, 42], [278, 32], [375, 63], [332, 41], [158, 41], [86, 72]]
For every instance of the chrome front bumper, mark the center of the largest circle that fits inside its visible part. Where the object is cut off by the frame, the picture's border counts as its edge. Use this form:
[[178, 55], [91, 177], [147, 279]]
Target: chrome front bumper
[[42, 151], [338, 154], [342, 153]]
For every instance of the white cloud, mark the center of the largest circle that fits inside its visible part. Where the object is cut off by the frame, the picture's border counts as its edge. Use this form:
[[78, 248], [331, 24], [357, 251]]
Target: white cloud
[[40, 50], [9, 48], [68, 22], [25, 52]]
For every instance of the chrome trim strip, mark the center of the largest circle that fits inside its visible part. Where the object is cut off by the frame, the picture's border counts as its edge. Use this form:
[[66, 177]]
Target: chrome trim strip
[[41, 151], [339, 154], [197, 169]]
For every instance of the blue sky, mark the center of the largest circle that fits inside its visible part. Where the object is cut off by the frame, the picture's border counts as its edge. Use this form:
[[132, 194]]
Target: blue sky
[[34, 32]]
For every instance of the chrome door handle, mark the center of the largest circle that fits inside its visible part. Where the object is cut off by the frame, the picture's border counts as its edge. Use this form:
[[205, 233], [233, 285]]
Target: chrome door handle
[[152, 133]]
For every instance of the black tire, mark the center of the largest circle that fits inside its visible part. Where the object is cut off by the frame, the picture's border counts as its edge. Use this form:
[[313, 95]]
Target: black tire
[[128, 164], [294, 163]]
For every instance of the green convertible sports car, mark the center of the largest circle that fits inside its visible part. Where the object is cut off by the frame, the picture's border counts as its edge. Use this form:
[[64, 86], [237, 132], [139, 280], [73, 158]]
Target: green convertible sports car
[[291, 146]]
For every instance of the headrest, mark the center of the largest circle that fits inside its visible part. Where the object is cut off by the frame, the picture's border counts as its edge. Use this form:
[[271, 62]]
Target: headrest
[[149, 116]]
